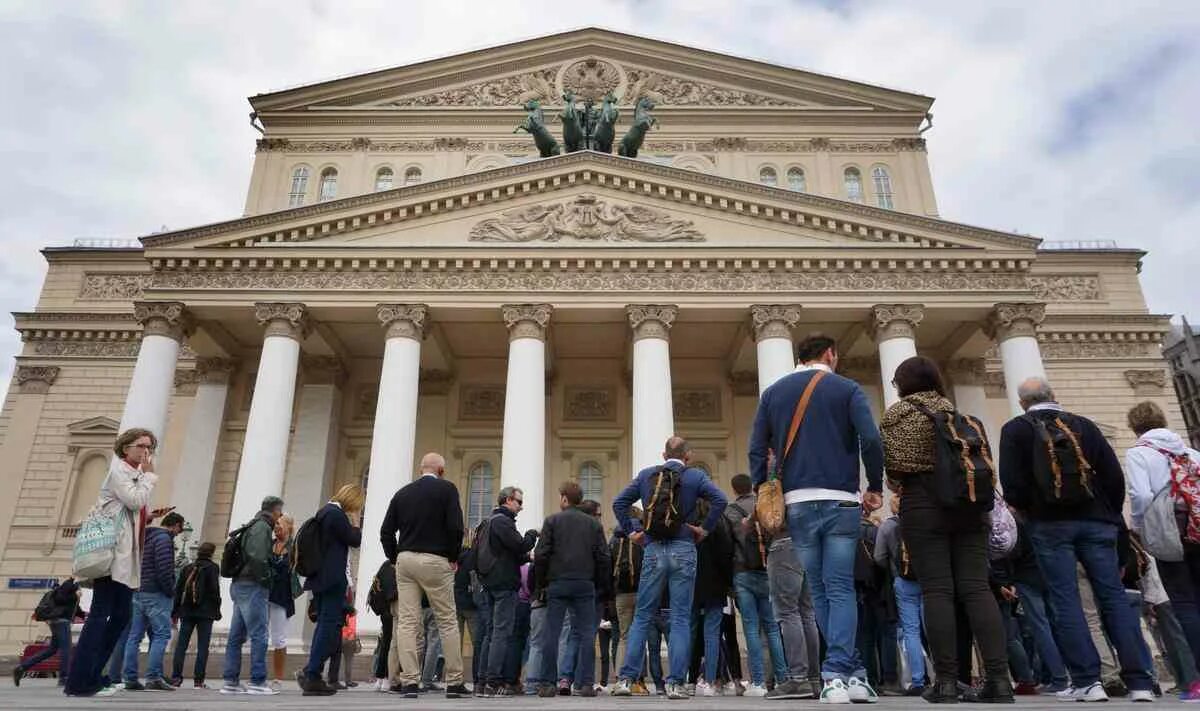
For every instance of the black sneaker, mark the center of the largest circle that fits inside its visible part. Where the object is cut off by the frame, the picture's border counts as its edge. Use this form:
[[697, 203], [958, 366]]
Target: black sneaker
[[546, 691], [585, 691], [134, 685], [943, 691], [158, 685], [484, 691], [301, 679], [992, 691], [457, 691], [505, 690], [396, 689], [411, 691], [318, 687], [791, 689], [18, 674]]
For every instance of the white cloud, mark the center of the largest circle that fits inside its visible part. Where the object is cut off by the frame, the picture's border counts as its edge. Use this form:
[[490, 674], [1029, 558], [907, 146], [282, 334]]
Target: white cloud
[[123, 117]]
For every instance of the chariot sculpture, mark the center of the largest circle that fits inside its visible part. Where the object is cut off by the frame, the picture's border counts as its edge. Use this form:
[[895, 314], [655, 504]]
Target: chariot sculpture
[[588, 127]]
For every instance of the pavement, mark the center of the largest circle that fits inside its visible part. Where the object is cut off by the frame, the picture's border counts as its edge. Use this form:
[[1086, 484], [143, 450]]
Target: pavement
[[44, 694]]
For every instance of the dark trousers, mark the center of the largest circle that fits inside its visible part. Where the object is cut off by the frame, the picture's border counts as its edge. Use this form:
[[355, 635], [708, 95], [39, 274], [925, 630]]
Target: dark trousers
[[327, 636], [517, 642], [385, 644], [497, 615], [877, 639], [1018, 657], [731, 653], [1181, 580], [112, 605], [609, 643], [203, 629], [580, 597], [60, 644], [948, 549]]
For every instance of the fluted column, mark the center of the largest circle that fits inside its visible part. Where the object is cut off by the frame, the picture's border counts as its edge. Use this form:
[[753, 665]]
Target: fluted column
[[523, 459], [268, 427], [198, 459], [393, 440], [165, 324], [1014, 328], [894, 327], [773, 325], [653, 411]]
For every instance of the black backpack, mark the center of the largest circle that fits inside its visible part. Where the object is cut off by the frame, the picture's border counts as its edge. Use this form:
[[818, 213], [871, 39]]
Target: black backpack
[[625, 577], [1062, 475], [191, 586], [963, 472], [46, 607], [233, 556], [485, 559], [380, 597], [867, 575], [750, 546], [663, 517], [308, 548]]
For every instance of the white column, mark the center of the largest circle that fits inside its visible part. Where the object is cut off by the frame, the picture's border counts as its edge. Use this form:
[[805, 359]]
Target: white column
[[523, 458], [393, 440], [1014, 328], [269, 425], [773, 339], [198, 458], [653, 402], [165, 324], [894, 327]]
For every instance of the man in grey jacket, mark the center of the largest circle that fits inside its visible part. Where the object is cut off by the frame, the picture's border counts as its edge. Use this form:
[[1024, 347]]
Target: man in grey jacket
[[249, 593]]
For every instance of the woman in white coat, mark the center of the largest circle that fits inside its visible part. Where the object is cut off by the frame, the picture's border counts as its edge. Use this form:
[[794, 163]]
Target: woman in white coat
[[124, 495]]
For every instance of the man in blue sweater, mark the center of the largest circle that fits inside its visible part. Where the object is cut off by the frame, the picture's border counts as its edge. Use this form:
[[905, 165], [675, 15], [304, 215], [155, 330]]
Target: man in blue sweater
[[820, 475], [669, 563], [152, 605]]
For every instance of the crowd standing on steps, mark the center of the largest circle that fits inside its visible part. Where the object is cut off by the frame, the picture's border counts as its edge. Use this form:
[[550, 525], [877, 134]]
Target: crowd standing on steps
[[1001, 571]]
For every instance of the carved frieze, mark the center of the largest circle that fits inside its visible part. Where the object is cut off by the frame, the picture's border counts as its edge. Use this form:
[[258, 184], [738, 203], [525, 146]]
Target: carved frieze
[[587, 218], [589, 403], [1099, 349], [403, 320], [511, 90], [481, 402], [186, 381], [163, 318], [215, 370], [35, 379], [773, 320], [1066, 287], [895, 321], [670, 90], [993, 385], [592, 78], [92, 349], [1011, 320], [402, 146], [526, 320], [434, 382], [1146, 383], [112, 286], [651, 320], [287, 319], [697, 404]]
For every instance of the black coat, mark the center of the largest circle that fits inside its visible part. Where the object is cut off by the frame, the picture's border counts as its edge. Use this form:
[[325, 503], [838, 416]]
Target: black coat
[[201, 601], [572, 547], [509, 549], [714, 566], [338, 536]]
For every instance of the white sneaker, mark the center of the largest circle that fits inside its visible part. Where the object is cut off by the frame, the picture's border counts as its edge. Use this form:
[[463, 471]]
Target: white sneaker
[[676, 692], [107, 691], [1144, 696], [733, 688], [861, 692], [705, 689], [233, 689], [623, 687], [835, 692], [276, 684], [689, 689], [756, 690], [1089, 694], [260, 690]]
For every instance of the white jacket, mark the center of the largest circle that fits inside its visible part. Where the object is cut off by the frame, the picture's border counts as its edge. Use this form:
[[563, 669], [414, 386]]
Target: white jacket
[[1147, 470], [124, 493]]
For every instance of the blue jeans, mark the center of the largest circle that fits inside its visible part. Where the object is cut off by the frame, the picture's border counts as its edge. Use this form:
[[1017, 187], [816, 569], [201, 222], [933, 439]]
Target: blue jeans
[[908, 607], [568, 648], [1036, 622], [327, 634], [518, 643], [1059, 545], [60, 643], [533, 663], [151, 613], [753, 593], [111, 606], [826, 534], [659, 630], [709, 618], [580, 597], [203, 630], [498, 613], [670, 565], [249, 619]]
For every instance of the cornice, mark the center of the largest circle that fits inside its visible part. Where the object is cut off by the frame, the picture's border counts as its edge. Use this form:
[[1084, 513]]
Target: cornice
[[738, 197]]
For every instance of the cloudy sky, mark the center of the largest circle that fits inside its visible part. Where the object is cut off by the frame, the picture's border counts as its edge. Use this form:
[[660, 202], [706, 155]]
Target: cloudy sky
[[1064, 120]]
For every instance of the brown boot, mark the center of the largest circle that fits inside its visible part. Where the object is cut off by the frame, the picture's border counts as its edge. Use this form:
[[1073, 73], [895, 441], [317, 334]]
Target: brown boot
[[278, 662]]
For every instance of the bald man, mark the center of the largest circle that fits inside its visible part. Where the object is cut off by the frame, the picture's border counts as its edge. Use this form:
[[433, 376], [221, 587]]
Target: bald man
[[422, 534]]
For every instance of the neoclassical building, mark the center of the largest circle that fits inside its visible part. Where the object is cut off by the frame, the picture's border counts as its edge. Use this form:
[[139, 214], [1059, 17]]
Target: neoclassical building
[[409, 276]]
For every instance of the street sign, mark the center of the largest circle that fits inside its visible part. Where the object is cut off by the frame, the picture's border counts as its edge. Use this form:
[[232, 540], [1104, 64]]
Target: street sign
[[31, 583]]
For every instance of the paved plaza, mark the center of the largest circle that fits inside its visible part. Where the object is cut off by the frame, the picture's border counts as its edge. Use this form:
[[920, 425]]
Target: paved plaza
[[43, 694]]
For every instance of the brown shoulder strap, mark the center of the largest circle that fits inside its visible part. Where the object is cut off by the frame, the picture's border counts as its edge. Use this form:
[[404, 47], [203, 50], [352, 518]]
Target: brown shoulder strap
[[798, 415]]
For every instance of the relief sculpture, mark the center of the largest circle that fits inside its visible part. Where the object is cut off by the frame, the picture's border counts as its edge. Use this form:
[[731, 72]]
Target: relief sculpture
[[588, 218]]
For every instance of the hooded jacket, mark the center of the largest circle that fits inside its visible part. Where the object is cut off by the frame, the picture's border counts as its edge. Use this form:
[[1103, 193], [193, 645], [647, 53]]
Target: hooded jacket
[[202, 599], [1147, 470]]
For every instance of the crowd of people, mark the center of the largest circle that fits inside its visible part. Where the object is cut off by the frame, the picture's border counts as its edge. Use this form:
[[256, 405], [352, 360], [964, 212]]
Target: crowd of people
[[983, 583]]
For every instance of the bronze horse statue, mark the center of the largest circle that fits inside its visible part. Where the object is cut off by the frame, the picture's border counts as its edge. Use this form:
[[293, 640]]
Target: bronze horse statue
[[535, 125], [606, 126], [642, 121], [571, 125]]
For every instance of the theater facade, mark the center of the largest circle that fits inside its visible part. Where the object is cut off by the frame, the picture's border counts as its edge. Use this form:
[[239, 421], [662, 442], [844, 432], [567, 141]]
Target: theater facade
[[410, 275]]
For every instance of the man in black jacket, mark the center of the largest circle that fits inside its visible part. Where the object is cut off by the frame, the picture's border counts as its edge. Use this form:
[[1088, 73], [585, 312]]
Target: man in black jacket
[[499, 554], [1063, 536], [571, 562]]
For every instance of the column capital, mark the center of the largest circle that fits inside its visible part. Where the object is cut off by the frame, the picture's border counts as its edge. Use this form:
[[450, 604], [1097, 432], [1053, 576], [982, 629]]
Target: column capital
[[287, 318], [323, 370], [651, 320], [890, 321], [773, 320], [215, 370], [35, 379], [1009, 320], [186, 380], [966, 371], [164, 318], [526, 320], [1147, 383], [403, 320]]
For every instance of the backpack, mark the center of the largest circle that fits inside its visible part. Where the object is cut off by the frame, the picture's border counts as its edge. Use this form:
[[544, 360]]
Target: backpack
[[663, 517], [866, 573], [963, 472], [308, 548], [485, 560], [1062, 476], [1002, 535], [46, 607], [749, 544], [378, 600], [624, 576], [191, 585], [233, 556], [904, 566], [1162, 530]]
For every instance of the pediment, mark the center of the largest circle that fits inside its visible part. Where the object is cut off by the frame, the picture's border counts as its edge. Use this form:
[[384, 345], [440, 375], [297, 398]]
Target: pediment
[[590, 62], [102, 426]]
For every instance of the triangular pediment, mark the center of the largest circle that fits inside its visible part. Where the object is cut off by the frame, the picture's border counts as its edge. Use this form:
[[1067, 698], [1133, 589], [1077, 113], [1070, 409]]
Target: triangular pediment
[[593, 200], [590, 62], [101, 425]]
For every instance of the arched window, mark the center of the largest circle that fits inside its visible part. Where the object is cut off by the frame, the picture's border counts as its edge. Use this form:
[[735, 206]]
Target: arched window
[[383, 179], [480, 497], [854, 188], [767, 176], [299, 187], [883, 186], [796, 181], [591, 480], [412, 176], [88, 481], [328, 184]]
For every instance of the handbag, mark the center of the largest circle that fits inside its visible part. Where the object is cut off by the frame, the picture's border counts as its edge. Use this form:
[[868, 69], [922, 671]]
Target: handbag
[[770, 509], [95, 545]]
